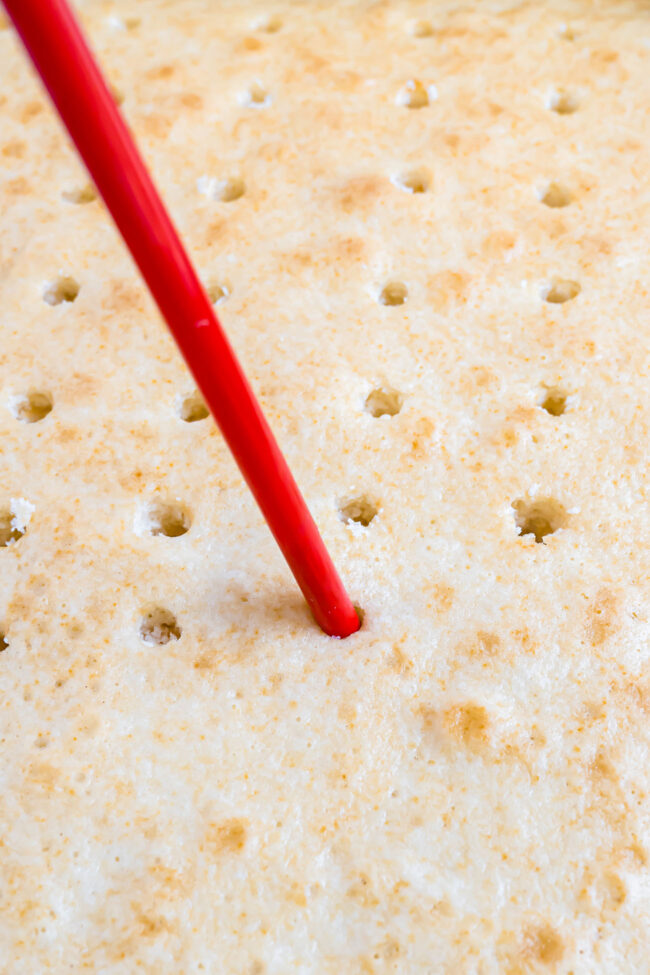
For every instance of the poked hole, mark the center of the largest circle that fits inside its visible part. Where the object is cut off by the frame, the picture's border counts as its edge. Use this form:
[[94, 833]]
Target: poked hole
[[159, 626], [80, 194], [555, 195], [560, 290], [168, 518], [31, 407], [413, 181], [393, 293], [413, 95], [554, 400], [3, 640], [218, 292], [563, 102], [256, 96], [192, 408], [359, 510], [383, 401], [540, 517], [224, 190], [10, 529], [63, 289], [268, 24], [421, 28]]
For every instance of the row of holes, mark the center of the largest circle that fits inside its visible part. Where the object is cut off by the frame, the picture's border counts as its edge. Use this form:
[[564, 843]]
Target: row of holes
[[34, 406], [272, 23], [411, 181], [158, 626], [172, 519], [65, 289]]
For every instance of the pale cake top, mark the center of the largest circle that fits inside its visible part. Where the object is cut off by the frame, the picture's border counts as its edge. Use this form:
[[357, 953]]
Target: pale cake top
[[435, 212]]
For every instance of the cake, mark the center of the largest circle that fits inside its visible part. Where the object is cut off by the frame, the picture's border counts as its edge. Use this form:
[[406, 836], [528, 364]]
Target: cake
[[426, 229]]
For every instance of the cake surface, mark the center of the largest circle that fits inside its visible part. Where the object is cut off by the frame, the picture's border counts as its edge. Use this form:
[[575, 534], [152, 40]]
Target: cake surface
[[426, 227]]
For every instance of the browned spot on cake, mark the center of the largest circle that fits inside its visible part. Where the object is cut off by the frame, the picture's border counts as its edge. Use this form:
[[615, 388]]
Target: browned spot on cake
[[43, 775], [152, 925], [347, 712], [17, 187], [601, 57], [215, 231], [468, 723], [189, 99], [65, 434], [248, 44], [82, 385], [361, 891], [524, 640], [14, 149], [430, 721], [160, 72], [158, 126], [348, 249], [602, 767], [122, 297], [446, 288], [228, 836], [31, 110], [398, 661], [296, 894], [595, 246], [443, 595], [477, 378], [206, 661], [613, 891], [485, 644], [361, 192], [169, 882], [602, 617], [422, 431], [543, 944], [496, 244]]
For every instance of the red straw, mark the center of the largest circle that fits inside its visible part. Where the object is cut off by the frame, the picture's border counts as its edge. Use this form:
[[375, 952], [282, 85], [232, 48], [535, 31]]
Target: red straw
[[63, 59]]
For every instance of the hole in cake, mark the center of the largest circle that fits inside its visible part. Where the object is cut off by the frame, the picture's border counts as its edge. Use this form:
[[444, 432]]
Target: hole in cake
[[224, 190], [563, 102], [567, 33], [360, 614], [158, 626], [560, 290], [10, 530], [393, 293], [540, 518], [421, 28], [30, 407], [80, 194], [413, 95], [256, 96], [555, 195], [360, 510], [413, 181], [217, 293], [270, 24], [554, 401], [3, 641], [383, 401], [62, 289], [167, 518], [192, 408]]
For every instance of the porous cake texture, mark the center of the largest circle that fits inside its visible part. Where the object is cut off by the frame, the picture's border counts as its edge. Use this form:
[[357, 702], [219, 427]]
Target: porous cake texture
[[426, 226]]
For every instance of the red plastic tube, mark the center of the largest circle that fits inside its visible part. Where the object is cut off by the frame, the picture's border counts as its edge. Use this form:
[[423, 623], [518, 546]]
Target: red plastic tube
[[64, 61]]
